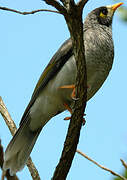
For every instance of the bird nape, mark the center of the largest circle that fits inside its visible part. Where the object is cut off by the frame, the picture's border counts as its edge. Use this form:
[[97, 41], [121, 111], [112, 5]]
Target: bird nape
[[55, 90]]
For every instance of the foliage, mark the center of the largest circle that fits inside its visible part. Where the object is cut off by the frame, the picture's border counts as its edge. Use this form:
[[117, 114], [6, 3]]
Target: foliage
[[123, 13]]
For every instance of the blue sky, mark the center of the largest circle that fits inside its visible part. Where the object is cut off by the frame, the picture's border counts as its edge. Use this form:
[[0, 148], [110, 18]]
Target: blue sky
[[26, 45]]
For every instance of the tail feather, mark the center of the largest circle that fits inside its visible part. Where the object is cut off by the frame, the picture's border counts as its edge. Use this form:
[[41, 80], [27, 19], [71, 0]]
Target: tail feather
[[20, 147]]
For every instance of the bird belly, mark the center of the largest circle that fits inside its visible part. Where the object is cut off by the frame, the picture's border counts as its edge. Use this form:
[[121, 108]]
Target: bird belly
[[95, 79], [51, 100]]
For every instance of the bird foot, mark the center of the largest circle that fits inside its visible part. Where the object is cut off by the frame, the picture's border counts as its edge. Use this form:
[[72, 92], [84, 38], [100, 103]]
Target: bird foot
[[69, 117]]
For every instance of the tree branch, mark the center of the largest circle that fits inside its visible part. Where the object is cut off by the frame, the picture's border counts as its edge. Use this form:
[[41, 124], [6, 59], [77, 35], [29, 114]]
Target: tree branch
[[68, 4], [12, 127], [82, 3], [73, 16], [102, 167], [56, 5], [124, 163], [8, 120], [30, 12]]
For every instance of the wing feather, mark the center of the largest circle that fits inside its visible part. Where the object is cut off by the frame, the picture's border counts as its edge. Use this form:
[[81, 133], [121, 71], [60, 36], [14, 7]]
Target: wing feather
[[54, 66]]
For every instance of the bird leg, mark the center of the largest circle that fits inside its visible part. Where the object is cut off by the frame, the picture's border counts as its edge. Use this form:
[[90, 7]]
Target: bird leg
[[73, 92], [70, 110], [74, 98], [70, 87]]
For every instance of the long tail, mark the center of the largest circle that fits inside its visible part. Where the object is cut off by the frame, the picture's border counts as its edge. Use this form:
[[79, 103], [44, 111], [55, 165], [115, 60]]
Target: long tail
[[20, 147]]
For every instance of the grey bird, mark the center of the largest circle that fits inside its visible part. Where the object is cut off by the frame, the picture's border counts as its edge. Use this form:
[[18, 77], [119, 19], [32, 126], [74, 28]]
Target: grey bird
[[54, 91]]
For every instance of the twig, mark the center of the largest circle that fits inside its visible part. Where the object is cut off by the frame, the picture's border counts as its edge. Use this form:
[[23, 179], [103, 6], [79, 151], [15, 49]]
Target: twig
[[9, 122], [33, 171], [12, 127], [56, 5], [102, 167], [124, 163], [29, 12]]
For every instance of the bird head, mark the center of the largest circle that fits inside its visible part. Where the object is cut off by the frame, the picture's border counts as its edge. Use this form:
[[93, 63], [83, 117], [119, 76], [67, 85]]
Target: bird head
[[102, 16]]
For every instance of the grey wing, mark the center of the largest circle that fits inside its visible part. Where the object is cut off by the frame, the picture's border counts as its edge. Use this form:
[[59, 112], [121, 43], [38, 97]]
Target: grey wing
[[57, 62]]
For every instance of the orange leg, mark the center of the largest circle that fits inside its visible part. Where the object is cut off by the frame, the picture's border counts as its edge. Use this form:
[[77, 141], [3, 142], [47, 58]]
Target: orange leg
[[70, 87], [70, 110]]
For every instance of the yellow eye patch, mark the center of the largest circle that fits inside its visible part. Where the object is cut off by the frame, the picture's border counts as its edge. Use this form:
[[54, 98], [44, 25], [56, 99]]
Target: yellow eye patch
[[102, 15]]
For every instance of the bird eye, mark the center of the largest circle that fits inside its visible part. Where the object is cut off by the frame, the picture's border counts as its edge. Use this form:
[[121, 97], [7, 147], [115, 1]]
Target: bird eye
[[103, 13]]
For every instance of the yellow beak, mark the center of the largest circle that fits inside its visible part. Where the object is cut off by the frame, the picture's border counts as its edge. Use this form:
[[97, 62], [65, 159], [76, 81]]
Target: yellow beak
[[115, 6]]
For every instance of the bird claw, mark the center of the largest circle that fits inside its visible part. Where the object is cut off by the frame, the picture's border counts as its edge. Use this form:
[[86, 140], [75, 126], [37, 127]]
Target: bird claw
[[67, 118], [83, 119], [75, 99]]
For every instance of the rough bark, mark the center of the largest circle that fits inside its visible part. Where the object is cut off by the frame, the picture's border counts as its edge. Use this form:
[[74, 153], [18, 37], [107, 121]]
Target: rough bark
[[73, 16]]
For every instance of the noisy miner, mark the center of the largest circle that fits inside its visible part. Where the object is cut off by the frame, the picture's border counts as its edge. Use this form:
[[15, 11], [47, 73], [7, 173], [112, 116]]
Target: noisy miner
[[54, 91]]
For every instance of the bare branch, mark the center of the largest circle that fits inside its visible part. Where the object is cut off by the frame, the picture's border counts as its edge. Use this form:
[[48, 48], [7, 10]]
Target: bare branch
[[9, 122], [12, 127], [82, 3], [63, 1], [102, 167], [1, 155], [56, 5], [33, 171], [124, 163], [68, 4], [30, 12], [73, 18]]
